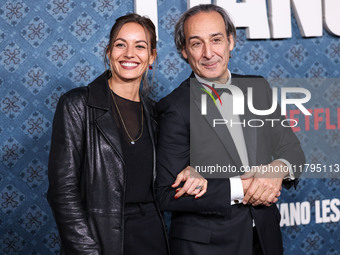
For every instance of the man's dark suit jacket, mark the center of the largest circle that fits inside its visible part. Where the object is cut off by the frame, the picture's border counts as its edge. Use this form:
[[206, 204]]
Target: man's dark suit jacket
[[210, 224]]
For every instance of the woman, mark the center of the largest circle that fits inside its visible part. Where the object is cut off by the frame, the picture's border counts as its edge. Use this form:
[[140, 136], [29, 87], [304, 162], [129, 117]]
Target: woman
[[102, 158]]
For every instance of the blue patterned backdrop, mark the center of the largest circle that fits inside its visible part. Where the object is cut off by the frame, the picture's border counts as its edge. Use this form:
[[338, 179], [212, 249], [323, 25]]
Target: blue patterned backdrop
[[49, 47]]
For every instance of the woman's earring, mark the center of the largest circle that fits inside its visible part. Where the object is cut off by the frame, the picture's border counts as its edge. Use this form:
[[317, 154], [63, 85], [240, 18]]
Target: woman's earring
[[150, 67]]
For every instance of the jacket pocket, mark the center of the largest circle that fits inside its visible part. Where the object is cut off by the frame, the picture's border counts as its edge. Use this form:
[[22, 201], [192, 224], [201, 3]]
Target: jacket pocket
[[191, 233]]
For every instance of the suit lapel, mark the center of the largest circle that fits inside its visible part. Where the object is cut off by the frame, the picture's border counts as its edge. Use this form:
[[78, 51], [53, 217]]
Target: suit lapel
[[250, 138], [213, 113], [249, 133]]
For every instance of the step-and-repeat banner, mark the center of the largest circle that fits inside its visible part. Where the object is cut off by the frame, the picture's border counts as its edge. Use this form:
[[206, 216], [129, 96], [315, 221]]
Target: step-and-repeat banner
[[50, 47]]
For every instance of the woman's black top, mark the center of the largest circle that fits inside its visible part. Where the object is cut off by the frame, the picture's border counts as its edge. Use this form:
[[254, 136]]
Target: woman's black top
[[138, 157]]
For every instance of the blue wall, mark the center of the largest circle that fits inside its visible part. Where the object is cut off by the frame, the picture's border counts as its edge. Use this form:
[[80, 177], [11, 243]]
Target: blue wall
[[44, 52]]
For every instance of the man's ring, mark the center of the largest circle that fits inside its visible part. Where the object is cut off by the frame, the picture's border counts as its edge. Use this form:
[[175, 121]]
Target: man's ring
[[199, 187]]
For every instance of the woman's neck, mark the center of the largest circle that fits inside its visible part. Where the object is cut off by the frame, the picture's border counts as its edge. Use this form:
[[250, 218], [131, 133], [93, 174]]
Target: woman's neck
[[126, 89]]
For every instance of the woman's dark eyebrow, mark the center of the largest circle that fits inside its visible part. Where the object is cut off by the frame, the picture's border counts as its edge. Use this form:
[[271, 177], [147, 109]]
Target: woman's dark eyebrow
[[140, 41], [119, 39]]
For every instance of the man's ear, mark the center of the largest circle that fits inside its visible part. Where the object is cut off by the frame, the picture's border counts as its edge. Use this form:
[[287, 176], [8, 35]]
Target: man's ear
[[231, 42], [184, 53]]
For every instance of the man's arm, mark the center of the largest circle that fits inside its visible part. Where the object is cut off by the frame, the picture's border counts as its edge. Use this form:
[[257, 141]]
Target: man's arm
[[285, 147], [264, 187], [173, 154]]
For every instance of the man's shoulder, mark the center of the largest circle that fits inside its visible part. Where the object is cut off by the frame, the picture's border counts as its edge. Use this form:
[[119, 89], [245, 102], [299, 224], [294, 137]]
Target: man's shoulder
[[179, 94], [245, 81], [243, 77], [236, 75]]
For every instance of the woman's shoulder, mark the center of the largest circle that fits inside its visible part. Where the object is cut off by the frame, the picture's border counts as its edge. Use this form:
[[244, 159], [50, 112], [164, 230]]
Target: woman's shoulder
[[77, 92], [76, 97], [82, 93]]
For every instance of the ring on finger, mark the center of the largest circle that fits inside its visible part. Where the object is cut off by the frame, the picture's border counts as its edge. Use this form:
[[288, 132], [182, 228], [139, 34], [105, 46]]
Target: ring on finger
[[199, 187]]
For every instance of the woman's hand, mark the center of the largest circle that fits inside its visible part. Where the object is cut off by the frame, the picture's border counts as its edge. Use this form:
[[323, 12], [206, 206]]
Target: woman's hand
[[195, 184]]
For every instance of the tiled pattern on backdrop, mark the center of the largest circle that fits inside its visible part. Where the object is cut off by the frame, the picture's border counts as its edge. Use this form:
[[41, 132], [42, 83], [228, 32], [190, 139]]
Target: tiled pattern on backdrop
[[48, 47]]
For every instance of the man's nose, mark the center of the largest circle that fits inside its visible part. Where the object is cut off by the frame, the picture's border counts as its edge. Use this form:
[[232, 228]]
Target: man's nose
[[208, 51]]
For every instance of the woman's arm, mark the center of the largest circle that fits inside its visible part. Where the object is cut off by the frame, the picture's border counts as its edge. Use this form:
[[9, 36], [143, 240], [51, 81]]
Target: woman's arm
[[65, 167]]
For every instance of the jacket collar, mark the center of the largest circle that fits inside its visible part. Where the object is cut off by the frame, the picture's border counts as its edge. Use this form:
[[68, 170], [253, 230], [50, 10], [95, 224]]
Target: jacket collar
[[221, 131], [100, 98], [99, 92]]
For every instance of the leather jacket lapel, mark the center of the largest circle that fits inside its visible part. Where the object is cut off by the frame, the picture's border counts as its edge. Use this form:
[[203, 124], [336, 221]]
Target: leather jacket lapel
[[107, 126], [151, 129], [100, 100]]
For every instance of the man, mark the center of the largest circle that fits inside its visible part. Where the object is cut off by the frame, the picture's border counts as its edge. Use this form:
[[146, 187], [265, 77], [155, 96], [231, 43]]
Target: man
[[236, 215]]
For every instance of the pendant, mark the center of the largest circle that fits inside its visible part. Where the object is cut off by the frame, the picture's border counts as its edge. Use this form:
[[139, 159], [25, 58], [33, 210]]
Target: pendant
[[132, 142]]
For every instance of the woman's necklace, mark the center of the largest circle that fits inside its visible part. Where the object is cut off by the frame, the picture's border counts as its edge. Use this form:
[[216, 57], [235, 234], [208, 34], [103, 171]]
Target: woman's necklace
[[121, 118]]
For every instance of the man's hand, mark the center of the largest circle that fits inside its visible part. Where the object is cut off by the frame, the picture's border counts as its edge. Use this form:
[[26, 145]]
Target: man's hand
[[246, 183], [265, 187], [194, 184]]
